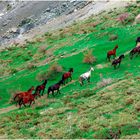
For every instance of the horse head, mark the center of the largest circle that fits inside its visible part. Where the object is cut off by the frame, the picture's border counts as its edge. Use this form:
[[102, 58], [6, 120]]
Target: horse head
[[121, 56], [71, 70], [45, 82], [91, 68], [116, 46], [61, 82]]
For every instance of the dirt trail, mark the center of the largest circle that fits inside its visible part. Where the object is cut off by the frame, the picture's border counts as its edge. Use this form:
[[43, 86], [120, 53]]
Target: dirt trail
[[5, 110]]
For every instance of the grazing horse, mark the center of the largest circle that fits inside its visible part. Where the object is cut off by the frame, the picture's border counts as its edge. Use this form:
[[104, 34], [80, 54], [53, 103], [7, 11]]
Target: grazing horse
[[41, 88], [85, 76], [55, 87], [20, 95], [112, 52], [27, 99], [67, 75], [134, 51], [117, 61]]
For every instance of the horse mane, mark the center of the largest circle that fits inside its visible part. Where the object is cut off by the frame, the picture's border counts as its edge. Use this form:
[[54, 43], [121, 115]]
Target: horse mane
[[121, 56], [115, 47], [71, 70], [30, 89]]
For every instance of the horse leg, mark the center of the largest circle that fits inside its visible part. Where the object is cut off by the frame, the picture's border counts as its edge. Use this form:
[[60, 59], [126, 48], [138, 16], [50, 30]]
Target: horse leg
[[58, 91], [70, 78], [30, 103], [43, 91], [19, 104], [88, 80], [119, 65], [53, 93]]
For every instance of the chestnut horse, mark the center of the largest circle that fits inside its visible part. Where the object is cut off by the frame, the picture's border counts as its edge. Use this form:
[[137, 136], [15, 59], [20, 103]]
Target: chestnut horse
[[41, 88], [117, 61], [27, 99], [55, 87], [20, 95], [112, 52], [67, 75]]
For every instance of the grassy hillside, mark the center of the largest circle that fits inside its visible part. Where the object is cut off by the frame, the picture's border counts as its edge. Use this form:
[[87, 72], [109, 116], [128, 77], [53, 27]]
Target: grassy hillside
[[79, 112]]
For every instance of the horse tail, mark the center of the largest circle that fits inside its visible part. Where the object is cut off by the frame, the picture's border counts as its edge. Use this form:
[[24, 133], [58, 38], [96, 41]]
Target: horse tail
[[16, 96], [49, 89]]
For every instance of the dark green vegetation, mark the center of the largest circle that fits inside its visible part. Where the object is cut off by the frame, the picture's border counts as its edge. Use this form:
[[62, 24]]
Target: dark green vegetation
[[90, 111]]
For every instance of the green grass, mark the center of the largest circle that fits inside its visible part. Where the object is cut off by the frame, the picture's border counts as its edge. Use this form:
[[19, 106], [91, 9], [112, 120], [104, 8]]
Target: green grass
[[78, 112]]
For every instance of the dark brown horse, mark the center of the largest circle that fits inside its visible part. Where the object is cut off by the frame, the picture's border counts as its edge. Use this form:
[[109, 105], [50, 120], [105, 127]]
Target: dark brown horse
[[137, 40], [134, 51], [67, 75], [55, 87], [41, 88], [117, 61], [112, 52]]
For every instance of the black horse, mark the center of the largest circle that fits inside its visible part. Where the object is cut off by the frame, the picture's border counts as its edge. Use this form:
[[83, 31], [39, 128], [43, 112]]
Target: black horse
[[55, 87], [134, 51], [41, 88], [137, 40], [117, 61]]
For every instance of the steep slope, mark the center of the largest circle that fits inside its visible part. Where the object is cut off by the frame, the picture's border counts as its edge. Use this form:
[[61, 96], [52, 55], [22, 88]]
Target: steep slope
[[100, 109]]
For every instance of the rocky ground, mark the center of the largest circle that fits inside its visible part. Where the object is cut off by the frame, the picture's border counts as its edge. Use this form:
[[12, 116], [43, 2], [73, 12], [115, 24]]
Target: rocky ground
[[19, 17], [23, 20]]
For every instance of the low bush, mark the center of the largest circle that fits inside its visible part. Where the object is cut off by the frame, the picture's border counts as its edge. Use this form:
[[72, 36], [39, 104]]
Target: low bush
[[88, 57], [31, 66], [42, 49], [113, 37]]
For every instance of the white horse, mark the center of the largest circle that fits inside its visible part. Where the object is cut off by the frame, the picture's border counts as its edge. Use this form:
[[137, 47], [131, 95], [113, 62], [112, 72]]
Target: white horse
[[85, 76]]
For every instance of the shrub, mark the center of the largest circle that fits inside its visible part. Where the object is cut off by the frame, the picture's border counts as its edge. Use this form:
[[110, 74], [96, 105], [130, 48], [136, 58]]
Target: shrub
[[41, 76], [31, 66], [137, 106], [55, 67], [104, 82], [37, 56], [48, 34], [113, 37], [53, 70], [125, 18], [42, 49], [137, 19], [88, 57], [13, 70], [9, 7]]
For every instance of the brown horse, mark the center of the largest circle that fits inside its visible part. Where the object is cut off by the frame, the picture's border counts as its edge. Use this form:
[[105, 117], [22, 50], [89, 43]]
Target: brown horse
[[41, 88], [27, 99], [67, 75], [20, 95], [112, 52]]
